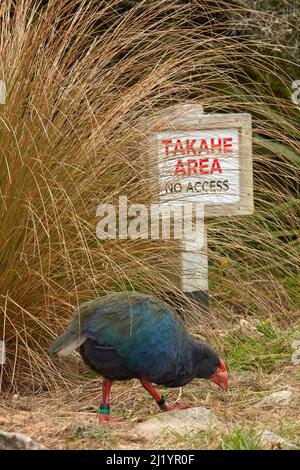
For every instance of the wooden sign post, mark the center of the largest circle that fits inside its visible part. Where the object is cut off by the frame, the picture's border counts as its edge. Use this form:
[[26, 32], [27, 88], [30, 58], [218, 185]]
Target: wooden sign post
[[204, 159]]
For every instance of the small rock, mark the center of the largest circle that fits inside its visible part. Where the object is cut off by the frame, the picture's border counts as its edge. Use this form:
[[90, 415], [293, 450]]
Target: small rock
[[282, 398], [18, 441], [178, 422], [273, 441]]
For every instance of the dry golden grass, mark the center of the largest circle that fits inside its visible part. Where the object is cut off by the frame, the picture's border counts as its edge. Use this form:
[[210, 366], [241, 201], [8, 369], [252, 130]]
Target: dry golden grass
[[81, 76]]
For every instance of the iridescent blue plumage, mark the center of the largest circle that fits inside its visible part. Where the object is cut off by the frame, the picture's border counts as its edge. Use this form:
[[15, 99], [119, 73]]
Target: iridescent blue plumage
[[128, 334], [145, 332]]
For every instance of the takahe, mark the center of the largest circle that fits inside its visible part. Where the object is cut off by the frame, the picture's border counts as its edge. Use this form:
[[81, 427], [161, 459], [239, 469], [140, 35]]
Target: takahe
[[129, 335]]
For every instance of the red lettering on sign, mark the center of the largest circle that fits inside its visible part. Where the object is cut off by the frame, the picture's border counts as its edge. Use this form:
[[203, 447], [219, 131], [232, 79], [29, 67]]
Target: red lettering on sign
[[227, 144], [195, 167], [190, 146], [192, 166], [203, 164], [198, 146], [179, 146], [215, 166], [215, 146], [179, 170], [167, 144], [203, 146]]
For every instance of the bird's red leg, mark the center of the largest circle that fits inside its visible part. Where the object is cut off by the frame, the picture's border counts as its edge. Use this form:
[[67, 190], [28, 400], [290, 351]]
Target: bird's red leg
[[104, 408], [160, 399]]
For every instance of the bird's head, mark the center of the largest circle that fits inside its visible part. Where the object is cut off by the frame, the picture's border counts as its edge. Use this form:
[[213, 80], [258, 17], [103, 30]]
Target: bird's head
[[208, 365], [220, 377]]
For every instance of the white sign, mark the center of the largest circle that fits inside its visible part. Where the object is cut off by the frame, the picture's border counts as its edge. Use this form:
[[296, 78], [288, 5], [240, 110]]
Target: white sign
[[199, 166]]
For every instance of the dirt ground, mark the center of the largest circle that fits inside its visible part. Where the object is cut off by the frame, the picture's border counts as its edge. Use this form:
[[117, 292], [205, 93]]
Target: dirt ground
[[66, 420]]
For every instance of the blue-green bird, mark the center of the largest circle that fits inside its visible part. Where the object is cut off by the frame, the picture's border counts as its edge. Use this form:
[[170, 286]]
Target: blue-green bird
[[129, 335]]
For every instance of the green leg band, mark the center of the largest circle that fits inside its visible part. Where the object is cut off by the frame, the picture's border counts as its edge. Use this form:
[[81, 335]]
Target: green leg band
[[104, 409]]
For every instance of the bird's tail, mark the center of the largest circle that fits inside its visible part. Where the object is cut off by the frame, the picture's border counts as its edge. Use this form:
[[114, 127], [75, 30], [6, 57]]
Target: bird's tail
[[67, 343]]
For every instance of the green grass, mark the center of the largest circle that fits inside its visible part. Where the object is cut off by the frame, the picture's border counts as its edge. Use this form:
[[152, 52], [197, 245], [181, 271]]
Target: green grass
[[290, 430], [266, 352], [89, 433], [291, 284], [200, 440], [242, 440]]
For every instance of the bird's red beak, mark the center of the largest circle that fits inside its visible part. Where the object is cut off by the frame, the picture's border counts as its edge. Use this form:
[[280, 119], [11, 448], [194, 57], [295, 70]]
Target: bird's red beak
[[220, 377]]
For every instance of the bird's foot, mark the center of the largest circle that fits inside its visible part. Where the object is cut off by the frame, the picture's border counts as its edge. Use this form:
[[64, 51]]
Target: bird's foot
[[106, 419]]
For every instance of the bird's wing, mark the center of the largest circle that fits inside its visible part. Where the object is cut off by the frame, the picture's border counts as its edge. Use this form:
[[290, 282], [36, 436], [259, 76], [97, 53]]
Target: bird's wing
[[144, 331]]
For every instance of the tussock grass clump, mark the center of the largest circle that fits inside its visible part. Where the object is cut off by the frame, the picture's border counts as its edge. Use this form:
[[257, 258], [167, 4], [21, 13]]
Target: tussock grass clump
[[242, 440], [81, 76]]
